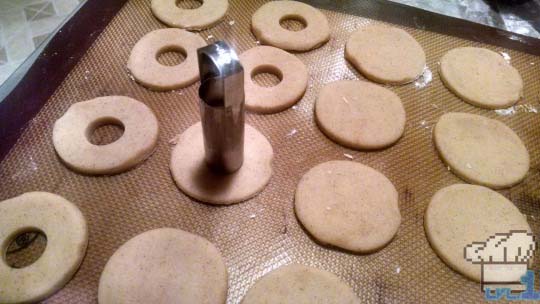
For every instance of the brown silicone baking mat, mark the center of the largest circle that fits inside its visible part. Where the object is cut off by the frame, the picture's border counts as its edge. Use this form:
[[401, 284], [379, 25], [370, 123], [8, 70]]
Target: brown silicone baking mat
[[262, 234]]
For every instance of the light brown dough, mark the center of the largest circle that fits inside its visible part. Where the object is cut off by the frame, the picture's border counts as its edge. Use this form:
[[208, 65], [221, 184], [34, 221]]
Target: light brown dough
[[147, 70], [299, 284], [205, 16], [291, 71], [266, 26], [459, 215], [71, 132], [348, 205], [385, 54], [359, 114], [194, 178], [481, 77], [67, 237], [481, 150], [164, 266]]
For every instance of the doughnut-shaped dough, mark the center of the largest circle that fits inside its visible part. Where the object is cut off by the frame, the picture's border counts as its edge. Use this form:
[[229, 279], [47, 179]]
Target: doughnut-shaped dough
[[147, 70], [459, 215], [359, 114], [292, 72], [385, 54], [348, 205], [481, 77], [300, 284], [194, 178], [481, 150], [164, 266], [71, 132], [205, 16], [266, 26], [67, 237]]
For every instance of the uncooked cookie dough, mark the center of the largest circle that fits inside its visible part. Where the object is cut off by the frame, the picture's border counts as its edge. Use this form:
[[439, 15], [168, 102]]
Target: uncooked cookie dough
[[164, 266], [459, 215], [204, 16], [300, 284], [67, 237], [481, 150], [266, 26], [348, 205], [71, 133], [481, 77], [194, 178], [359, 114], [147, 70], [291, 71], [385, 54]]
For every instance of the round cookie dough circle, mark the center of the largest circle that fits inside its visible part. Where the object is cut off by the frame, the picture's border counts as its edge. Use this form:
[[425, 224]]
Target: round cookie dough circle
[[481, 77], [67, 238], [205, 16], [265, 25], [385, 54], [194, 178], [300, 284], [147, 70], [460, 214], [359, 114], [481, 150], [71, 131], [348, 205], [164, 266], [292, 72]]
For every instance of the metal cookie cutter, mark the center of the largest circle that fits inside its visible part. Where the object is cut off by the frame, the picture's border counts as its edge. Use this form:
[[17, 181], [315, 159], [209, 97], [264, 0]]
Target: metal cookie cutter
[[222, 107]]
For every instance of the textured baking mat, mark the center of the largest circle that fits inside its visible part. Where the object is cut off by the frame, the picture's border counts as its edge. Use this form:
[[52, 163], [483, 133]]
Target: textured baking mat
[[262, 234]]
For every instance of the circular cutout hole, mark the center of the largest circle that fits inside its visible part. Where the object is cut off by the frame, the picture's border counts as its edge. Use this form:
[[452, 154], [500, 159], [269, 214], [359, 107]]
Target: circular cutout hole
[[171, 56], [105, 132], [293, 23], [189, 4], [25, 248], [266, 76]]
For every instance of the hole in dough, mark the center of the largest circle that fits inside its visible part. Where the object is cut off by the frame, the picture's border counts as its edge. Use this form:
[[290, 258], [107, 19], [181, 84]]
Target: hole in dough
[[105, 131], [25, 248], [293, 23], [266, 76], [189, 4], [171, 56]]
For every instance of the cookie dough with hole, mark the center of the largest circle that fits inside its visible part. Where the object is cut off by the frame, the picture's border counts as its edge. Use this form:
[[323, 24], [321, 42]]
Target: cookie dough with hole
[[385, 54], [66, 231], [481, 77], [300, 284], [164, 266], [460, 214], [194, 178], [348, 205], [147, 70], [266, 26], [481, 150], [359, 114], [291, 71], [204, 16], [71, 134]]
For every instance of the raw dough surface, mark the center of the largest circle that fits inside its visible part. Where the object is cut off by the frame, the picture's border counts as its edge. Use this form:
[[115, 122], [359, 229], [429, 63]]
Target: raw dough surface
[[481, 77], [164, 266], [266, 26], [292, 71], [359, 114], [299, 284], [348, 205], [147, 70], [191, 174], [71, 132], [481, 150], [385, 54], [67, 237], [460, 214], [204, 16]]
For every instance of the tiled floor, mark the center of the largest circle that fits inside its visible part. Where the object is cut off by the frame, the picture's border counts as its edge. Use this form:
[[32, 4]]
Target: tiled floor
[[24, 25]]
